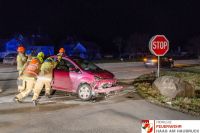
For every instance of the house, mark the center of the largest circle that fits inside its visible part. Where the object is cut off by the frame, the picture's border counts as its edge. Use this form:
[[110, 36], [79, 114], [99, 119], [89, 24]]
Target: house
[[85, 50], [2, 48], [35, 42], [76, 49]]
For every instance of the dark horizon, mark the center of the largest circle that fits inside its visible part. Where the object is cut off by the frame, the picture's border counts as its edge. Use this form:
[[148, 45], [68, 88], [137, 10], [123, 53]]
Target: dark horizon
[[101, 21]]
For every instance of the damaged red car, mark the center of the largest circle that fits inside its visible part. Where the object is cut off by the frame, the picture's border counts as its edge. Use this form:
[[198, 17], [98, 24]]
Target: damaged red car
[[76, 75]]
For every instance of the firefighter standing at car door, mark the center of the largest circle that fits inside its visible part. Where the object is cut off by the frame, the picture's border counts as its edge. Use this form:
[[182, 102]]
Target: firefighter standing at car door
[[21, 58], [30, 73], [61, 53], [44, 79]]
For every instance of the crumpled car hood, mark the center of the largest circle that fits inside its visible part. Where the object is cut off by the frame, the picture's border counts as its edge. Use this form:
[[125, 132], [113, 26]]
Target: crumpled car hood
[[104, 74]]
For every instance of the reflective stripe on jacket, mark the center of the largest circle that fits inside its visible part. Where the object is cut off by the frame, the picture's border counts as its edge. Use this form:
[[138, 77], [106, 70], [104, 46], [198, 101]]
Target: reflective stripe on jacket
[[31, 69]]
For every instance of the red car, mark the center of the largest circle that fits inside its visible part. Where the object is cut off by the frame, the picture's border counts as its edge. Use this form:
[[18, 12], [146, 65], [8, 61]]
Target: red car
[[80, 76]]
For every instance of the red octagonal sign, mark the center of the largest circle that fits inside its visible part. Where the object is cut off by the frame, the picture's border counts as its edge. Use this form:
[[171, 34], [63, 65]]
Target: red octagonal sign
[[159, 45]]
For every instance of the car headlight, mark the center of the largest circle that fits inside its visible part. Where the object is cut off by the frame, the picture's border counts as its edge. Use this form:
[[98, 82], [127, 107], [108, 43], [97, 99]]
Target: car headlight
[[97, 78]]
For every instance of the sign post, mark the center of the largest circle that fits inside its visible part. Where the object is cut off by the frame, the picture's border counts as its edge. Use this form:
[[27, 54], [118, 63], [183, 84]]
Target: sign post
[[158, 73], [159, 46]]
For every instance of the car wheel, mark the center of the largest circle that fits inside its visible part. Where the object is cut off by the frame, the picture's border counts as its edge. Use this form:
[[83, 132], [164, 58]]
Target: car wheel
[[85, 92]]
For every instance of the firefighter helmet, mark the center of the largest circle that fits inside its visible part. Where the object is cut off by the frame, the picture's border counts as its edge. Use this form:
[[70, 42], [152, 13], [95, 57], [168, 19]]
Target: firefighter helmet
[[20, 49], [62, 50]]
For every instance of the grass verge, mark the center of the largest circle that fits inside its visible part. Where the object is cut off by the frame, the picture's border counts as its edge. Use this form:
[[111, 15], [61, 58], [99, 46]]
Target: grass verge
[[143, 85]]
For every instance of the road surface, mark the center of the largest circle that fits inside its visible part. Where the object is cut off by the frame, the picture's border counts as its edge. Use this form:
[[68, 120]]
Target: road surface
[[67, 114]]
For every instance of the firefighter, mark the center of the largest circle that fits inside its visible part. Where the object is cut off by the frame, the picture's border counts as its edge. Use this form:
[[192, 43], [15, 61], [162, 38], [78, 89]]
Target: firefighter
[[29, 55], [29, 75], [21, 82], [21, 58], [61, 53], [44, 79]]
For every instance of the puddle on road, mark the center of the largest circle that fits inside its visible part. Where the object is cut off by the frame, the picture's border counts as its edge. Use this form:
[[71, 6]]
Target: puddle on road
[[40, 108]]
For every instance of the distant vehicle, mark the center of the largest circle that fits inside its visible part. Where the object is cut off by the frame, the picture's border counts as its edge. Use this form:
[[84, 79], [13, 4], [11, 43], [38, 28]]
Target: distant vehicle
[[10, 59], [153, 61], [76, 75]]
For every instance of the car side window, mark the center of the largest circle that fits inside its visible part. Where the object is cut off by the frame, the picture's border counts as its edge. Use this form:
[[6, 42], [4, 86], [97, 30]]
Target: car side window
[[62, 65]]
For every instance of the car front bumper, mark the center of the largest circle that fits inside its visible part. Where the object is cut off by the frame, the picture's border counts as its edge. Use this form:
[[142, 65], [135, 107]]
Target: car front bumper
[[106, 86], [108, 90]]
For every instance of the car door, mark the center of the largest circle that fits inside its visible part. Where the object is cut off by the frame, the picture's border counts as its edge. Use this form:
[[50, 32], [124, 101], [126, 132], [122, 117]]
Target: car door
[[61, 77], [75, 75]]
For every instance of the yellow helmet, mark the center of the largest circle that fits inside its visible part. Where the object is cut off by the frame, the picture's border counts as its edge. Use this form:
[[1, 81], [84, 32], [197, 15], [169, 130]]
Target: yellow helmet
[[40, 55]]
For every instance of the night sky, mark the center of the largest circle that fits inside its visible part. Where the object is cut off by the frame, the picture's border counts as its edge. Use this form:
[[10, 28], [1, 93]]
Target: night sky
[[101, 20]]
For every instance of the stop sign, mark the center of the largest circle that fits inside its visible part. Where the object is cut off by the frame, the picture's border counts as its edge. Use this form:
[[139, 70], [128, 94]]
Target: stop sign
[[159, 45]]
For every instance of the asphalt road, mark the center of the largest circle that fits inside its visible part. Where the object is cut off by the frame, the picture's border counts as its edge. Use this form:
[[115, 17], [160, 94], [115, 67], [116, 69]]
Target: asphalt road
[[121, 113]]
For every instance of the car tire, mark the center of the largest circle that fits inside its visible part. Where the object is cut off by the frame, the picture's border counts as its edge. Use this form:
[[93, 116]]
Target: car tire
[[85, 92]]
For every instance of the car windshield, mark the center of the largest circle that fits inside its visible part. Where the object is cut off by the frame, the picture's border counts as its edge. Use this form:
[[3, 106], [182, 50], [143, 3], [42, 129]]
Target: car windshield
[[87, 65]]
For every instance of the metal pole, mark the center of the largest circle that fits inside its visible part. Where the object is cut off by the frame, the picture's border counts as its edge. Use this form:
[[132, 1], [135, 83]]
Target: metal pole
[[158, 72]]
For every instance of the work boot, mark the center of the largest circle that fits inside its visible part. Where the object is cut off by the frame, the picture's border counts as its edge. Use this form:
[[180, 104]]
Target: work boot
[[15, 99], [35, 102]]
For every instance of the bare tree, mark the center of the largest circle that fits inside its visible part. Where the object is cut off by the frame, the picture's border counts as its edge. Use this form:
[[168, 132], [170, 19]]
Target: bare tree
[[137, 43]]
